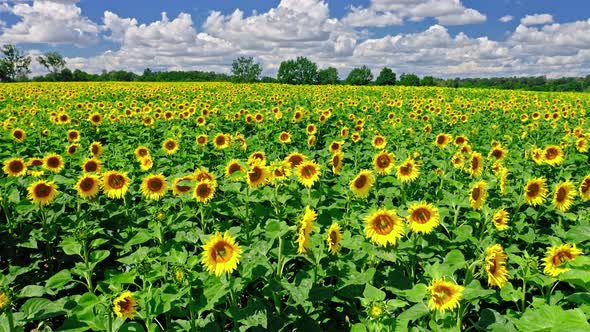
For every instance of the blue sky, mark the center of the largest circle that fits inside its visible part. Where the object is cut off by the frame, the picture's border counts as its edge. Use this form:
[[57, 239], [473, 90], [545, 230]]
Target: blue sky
[[445, 38]]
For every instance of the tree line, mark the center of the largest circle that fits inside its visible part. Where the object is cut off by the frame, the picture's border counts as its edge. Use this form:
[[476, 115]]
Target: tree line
[[15, 67]]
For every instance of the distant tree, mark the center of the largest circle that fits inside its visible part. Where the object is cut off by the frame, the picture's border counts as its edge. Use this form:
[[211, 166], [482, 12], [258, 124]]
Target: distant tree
[[409, 80], [386, 77], [268, 79], [360, 76], [299, 71], [80, 76], [245, 70], [53, 61], [14, 64], [427, 81], [328, 76], [65, 75]]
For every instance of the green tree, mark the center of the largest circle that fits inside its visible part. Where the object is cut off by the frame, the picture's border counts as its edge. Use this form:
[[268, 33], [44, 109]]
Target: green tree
[[328, 76], [299, 71], [386, 77], [409, 80], [427, 81], [360, 76], [14, 64], [245, 70], [53, 61]]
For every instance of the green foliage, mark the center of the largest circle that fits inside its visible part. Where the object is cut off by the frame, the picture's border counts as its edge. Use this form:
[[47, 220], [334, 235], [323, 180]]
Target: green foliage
[[328, 76], [53, 61], [409, 80], [245, 70], [360, 76], [298, 71], [386, 77]]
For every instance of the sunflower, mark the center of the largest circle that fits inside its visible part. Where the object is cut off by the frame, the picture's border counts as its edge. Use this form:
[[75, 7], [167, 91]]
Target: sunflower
[[553, 155], [15, 167], [311, 140], [384, 227], [585, 188], [500, 219], [42, 192], [335, 146], [279, 171], [170, 146], [141, 152], [125, 305], [304, 229], [308, 172], [383, 162], [582, 144], [535, 191], [221, 254], [257, 157], [556, 256], [504, 181], [221, 141], [334, 237], [284, 137], [408, 171], [423, 217], [32, 162], [257, 175], [460, 140], [478, 195], [95, 118], [180, 185], [442, 140], [202, 139], [115, 184], [337, 162], [204, 191], [362, 183], [91, 165], [19, 135], [233, 166], [73, 136], [72, 148], [475, 167], [154, 186], [444, 295], [457, 160], [498, 153], [88, 186], [495, 266], [146, 163], [563, 196], [537, 155], [311, 129], [96, 149], [53, 162], [201, 174], [379, 142]]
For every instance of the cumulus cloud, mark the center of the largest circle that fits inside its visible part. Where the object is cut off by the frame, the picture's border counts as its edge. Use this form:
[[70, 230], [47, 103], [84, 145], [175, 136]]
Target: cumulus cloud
[[52, 22], [537, 19], [506, 18], [393, 12]]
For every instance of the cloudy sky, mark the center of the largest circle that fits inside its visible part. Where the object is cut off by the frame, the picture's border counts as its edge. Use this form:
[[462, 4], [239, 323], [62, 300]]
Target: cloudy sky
[[443, 38]]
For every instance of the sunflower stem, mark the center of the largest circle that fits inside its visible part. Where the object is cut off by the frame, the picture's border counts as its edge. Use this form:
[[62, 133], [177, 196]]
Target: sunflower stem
[[10, 320], [280, 258], [110, 322], [523, 295], [202, 213]]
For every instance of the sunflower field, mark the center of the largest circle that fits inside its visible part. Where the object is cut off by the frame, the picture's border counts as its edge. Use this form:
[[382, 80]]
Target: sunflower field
[[217, 206]]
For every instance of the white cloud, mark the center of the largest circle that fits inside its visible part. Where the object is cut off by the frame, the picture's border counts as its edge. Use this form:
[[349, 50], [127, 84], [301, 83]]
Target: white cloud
[[537, 19], [393, 12], [51, 22], [506, 18]]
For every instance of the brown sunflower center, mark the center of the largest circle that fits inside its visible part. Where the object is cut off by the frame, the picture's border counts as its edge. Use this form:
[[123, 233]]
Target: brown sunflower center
[[406, 169], [421, 215], [476, 193], [87, 184], [91, 166], [18, 134], [497, 153], [561, 194], [442, 294], [116, 181], [333, 238], [220, 140], [126, 305], [533, 190], [551, 153], [561, 257], [383, 161], [37, 162], [203, 190], [255, 174], [383, 224], [16, 166], [360, 181], [42, 190], [295, 160], [335, 146], [201, 140], [95, 149], [585, 187], [155, 184], [222, 252], [474, 163], [73, 135], [53, 162], [308, 171], [284, 136], [234, 168], [170, 145], [142, 152], [440, 140]]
